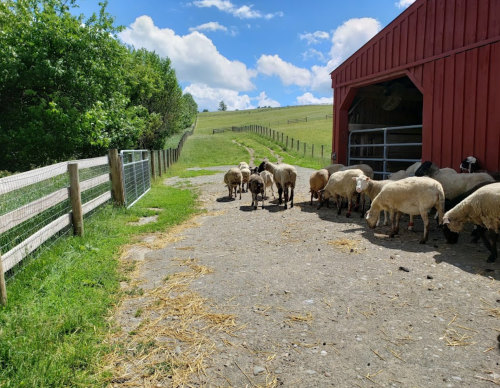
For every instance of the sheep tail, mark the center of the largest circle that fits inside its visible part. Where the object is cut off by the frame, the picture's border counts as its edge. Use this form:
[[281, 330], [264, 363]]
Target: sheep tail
[[440, 207]]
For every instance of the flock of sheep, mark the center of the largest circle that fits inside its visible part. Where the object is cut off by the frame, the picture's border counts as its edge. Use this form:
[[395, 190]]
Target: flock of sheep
[[458, 198]]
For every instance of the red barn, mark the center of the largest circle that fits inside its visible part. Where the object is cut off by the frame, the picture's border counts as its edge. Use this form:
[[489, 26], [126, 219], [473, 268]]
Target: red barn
[[425, 87]]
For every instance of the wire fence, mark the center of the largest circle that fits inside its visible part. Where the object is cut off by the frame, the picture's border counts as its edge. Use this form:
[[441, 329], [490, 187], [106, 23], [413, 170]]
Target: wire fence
[[36, 207], [39, 207], [318, 151]]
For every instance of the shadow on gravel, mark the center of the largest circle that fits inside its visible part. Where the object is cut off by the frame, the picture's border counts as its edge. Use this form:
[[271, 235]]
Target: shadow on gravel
[[467, 256], [226, 199]]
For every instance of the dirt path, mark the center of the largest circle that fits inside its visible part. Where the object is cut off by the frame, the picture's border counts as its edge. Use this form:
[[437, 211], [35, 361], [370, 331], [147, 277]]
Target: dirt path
[[305, 298]]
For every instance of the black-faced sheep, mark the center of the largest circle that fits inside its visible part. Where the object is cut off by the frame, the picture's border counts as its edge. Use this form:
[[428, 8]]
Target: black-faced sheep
[[411, 196], [453, 184], [256, 186], [284, 176], [340, 185], [233, 179], [318, 181], [482, 208]]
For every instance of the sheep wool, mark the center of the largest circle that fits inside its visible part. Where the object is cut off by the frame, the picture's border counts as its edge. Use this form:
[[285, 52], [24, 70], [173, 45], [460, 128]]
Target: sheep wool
[[233, 179], [284, 176]]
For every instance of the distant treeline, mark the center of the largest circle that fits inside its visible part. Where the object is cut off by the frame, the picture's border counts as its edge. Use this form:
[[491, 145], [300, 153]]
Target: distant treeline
[[248, 111], [70, 89]]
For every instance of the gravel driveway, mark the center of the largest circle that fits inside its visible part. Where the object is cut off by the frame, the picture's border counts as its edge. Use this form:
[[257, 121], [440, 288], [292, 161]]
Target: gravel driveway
[[320, 300]]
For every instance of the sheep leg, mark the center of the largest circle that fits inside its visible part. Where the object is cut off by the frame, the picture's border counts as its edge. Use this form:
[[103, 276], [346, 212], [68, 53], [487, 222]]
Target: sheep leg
[[410, 225], [395, 216], [491, 246], [338, 201], [230, 187], [291, 196], [349, 206], [280, 193], [425, 218], [285, 189], [235, 191]]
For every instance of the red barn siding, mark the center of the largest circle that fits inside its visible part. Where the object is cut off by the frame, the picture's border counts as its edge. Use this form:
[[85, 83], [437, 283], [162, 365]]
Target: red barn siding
[[450, 49]]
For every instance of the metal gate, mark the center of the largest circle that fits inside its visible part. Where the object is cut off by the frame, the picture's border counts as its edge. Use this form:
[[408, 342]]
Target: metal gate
[[386, 150], [136, 175]]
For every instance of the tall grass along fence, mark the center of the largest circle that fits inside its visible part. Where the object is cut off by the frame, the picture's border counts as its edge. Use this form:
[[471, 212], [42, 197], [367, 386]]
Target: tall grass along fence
[[43, 205], [315, 151]]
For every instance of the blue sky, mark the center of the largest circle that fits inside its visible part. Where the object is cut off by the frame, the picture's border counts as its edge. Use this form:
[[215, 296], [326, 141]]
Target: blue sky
[[252, 53]]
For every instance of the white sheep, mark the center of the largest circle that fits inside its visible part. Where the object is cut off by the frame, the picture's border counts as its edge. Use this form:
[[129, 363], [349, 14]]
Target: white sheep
[[245, 172], [371, 188], [233, 179], [368, 171], [453, 184], [318, 181], [284, 176], [398, 175], [481, 208], [411, 170], [268, 181], [332, 168], [412, 196], [340, 185], [243, 165]]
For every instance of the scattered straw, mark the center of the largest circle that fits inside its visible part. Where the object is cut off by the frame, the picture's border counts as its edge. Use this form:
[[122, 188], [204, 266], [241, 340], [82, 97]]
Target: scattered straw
[[299, 318], [346, 245]]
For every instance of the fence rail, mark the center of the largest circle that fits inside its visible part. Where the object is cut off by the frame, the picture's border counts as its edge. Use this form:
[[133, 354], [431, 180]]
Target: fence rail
[[38, 205]]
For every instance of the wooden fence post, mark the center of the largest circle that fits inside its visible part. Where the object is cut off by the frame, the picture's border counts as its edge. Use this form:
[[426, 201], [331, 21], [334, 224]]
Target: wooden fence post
[[286, 141], [165, 159], [159, 163], [292, 143], [116, 174], [298, 145], [76, 198], [153, 167], [3, 287]]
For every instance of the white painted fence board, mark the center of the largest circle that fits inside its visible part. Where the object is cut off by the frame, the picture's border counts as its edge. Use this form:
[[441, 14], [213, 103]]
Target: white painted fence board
[[87, 163], [15, 217], [89, 183], [16, 254], [91, 205], [27, 178]]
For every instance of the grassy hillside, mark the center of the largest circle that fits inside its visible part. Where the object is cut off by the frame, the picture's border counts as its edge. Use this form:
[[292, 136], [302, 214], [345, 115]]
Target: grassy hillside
[[207, 149]]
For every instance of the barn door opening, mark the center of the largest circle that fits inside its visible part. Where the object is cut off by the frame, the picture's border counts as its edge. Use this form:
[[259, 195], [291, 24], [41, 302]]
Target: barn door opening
[[385, 126]]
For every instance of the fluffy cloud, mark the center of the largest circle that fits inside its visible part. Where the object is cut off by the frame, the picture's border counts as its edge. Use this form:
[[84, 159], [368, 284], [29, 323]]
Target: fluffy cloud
[[404, 3], [243, 12], [263, 100], [315, 37], [312, 53], [346, 39], [309, 99], [194, 57], [209, 98], [289, 74], [211, 26]]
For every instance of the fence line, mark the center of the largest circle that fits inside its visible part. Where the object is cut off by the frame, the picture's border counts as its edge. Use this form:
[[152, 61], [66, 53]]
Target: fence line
[[279, 137], [38, 205]]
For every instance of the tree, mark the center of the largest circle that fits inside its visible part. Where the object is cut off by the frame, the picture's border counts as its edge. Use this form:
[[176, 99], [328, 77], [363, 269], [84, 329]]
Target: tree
[[222, 106], [189, 110]]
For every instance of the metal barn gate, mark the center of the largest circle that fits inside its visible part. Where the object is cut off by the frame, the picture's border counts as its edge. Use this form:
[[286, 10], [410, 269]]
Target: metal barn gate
[[386, 150], [136, 175]]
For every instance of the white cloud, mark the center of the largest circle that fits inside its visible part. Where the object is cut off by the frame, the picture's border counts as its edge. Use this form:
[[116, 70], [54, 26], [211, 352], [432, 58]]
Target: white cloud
[[404, 3], [289, 74], [312, 53], [309, 99], [211, 26], [263, 100], [315, 37], [194, 56], [346, 40], [243, 12], [209, 98]]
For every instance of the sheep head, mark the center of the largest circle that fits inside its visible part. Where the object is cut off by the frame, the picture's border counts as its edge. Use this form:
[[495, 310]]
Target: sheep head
[[427, 169], [453, 223], [372, 218], [262, 166], [361, 183]]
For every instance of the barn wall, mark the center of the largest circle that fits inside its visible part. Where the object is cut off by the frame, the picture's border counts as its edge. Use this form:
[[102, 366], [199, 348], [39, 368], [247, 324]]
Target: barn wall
[[461, 114], [450, 49]]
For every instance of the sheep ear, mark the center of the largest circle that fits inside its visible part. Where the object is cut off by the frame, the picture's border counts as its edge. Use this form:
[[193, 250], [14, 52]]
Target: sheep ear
[[367, 215], [354, 178], [446, 220]]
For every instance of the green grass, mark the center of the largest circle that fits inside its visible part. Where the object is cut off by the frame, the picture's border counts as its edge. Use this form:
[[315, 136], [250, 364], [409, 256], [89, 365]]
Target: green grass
[[52, 329]]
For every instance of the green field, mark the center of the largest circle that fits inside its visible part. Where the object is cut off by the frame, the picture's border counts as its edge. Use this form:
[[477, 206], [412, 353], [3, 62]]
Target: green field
[[53, 329]]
